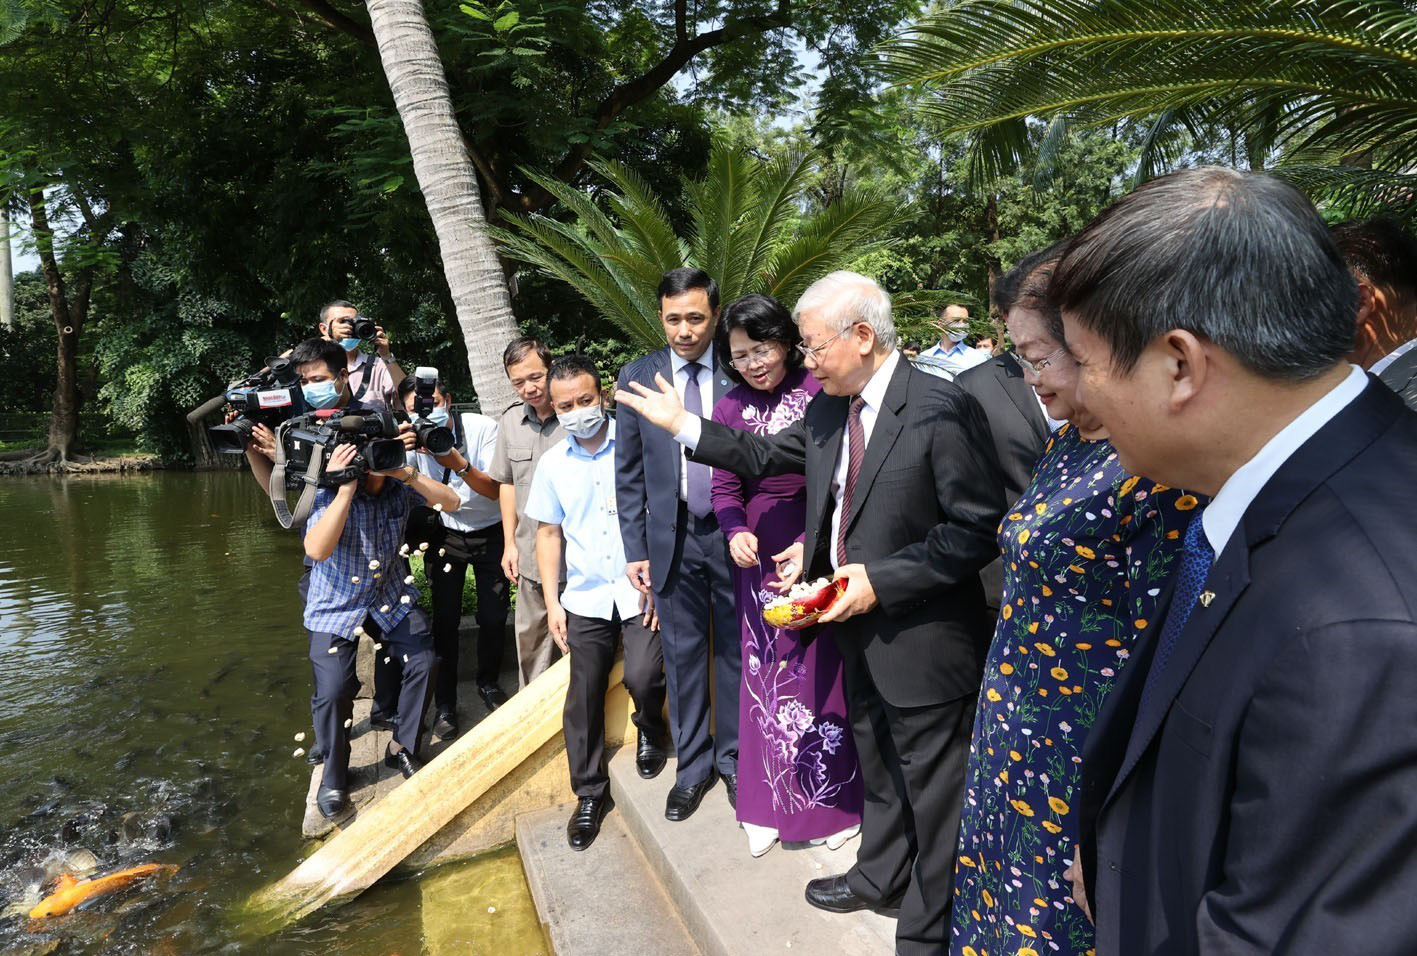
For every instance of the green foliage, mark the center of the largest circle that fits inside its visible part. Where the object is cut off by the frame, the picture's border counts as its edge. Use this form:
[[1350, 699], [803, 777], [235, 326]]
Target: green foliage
[[749, 226], [1325, 88], [27, 350]]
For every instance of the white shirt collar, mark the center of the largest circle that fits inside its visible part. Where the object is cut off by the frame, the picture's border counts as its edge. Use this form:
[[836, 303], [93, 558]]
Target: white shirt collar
[[875, 391], [677, 361], [1230, 503], [1393, 356]]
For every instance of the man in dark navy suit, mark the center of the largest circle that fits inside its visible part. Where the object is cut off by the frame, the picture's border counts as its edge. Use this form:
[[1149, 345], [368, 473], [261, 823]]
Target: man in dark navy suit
[[1250, 785], [674, 548]]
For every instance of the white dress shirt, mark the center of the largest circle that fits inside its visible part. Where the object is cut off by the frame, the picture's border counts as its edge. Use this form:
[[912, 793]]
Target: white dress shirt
[[679, 365], [1392, 356], [477, 437], [1225, 510]]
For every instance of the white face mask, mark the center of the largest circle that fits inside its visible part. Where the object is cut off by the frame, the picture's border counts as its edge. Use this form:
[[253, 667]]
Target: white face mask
[[956, 333], [582, 422]]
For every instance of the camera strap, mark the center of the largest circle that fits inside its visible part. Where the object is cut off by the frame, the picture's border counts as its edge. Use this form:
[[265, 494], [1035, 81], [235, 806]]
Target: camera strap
[[306, 503]]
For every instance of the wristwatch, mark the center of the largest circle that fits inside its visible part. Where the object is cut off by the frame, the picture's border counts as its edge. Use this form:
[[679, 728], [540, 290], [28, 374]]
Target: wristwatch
[[412, 474], [462, 472]]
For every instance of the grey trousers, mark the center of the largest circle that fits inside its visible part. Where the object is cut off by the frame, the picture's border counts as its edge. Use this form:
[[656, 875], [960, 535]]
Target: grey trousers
[[535, 649]]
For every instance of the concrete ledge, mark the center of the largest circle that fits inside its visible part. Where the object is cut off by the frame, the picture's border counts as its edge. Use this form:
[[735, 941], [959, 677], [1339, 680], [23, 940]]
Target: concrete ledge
[[732, 904], [598, 901]]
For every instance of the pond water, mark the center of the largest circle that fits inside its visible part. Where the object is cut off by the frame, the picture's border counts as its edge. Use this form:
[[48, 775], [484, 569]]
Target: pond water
[[153, 675]]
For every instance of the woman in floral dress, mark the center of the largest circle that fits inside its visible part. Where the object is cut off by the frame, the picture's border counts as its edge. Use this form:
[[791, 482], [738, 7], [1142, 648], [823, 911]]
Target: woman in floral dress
[[1087, 551], [798, 776]]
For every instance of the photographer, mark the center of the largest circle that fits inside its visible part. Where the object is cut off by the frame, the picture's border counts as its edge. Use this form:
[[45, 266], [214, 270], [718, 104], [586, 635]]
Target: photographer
[[469, 536], [356, 575], [372, 378]]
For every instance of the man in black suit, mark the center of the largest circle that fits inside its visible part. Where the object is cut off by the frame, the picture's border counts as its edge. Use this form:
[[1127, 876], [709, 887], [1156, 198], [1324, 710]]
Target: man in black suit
[[1382, 256], [903, 498], [1017, 422], [674, 548], [1250, 785]]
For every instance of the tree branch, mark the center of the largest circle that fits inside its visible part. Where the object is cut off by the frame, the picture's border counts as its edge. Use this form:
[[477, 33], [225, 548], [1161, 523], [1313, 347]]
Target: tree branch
[[324, 14], [633, 91]]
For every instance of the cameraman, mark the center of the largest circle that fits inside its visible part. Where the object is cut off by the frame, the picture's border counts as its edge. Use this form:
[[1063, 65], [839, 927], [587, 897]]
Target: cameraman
[[372, 378], [357, 575], [471, 535]]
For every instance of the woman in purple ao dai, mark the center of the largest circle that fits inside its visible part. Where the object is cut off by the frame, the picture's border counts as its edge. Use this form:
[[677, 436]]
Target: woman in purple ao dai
[[798, 775]]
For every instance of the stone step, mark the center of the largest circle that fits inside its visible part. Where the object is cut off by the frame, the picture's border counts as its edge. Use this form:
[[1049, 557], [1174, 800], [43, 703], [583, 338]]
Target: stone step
[[731, 903], [598, 901]]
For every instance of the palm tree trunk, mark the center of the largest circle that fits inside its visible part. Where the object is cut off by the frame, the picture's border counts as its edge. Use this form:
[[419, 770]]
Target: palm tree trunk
[[7, 275], [445, 174]]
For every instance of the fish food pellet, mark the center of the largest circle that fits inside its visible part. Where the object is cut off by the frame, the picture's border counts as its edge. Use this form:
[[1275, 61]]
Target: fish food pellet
[[300, 736], [298, 752], [374, 565]]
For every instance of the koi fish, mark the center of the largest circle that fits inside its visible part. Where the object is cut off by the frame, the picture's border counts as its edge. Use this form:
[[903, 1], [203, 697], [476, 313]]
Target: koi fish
[[70, 893]]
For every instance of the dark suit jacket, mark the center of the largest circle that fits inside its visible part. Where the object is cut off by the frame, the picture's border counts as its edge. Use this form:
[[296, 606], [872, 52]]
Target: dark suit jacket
[[1401, 377], [647, 468], [1019, 431], [1265, 799], [928, 501]]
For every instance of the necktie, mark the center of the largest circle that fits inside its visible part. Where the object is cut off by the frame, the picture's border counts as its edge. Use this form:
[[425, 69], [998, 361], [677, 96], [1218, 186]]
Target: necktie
[[697, 477], [1196, 559], [855, 451]]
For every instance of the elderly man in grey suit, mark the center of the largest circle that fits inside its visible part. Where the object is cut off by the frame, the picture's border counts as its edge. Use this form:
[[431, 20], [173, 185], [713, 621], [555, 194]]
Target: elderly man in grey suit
[[1382, 256]]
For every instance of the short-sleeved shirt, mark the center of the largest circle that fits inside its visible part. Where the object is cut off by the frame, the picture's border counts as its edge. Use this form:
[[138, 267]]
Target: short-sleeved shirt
[[477, 437], [380, 388], [576, 490], [522, 439], [947, 363], [343, 588]]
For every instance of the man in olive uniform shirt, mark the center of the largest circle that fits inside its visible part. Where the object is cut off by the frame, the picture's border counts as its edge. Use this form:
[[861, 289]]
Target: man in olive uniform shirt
[[524, 431]]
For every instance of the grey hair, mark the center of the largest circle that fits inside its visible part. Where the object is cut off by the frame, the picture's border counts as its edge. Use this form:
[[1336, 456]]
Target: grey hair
[[846, 298], [1241, 259]]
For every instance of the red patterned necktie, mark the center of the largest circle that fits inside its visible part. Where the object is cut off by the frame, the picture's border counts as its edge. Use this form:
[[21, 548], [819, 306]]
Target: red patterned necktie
[[855, 451]]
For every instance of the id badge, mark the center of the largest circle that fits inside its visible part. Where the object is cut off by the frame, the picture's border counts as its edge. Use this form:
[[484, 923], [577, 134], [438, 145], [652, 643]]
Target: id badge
[[610, 505]]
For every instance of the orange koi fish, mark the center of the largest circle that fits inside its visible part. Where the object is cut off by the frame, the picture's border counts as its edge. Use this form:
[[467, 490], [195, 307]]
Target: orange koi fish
[[69, 892]]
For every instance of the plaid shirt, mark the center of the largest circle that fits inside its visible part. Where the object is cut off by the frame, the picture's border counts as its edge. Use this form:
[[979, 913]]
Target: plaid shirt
[[343, 588]]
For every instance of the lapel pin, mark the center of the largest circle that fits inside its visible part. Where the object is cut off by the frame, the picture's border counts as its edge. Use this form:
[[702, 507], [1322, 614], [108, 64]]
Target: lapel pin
[[1206, 598]]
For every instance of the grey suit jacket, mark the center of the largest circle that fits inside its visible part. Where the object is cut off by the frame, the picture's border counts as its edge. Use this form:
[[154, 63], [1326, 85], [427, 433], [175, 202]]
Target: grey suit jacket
[[1401, 377]]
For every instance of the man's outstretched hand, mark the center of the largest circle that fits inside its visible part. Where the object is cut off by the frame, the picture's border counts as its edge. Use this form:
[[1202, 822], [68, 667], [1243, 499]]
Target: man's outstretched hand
[[661, 408]]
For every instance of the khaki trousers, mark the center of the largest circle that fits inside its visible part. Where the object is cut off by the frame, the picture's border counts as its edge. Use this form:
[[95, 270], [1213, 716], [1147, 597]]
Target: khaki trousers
[[536, 651]]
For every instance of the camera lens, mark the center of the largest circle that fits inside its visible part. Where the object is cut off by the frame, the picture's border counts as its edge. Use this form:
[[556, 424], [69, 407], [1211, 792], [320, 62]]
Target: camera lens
[[364, 327]]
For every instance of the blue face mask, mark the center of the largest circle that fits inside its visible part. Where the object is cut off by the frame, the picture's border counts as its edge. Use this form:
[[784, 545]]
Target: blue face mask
[[322, 394], [349, 345], [439, 415]]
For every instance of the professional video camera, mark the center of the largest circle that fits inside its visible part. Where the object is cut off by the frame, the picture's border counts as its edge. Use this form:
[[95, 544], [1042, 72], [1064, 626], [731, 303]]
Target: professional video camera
[[437, 439], [304, 445], [268, 398]]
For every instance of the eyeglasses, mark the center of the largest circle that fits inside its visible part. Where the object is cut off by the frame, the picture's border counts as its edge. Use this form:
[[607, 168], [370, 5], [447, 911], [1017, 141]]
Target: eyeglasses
[[814, 352], [1041, 364], [763, 353]]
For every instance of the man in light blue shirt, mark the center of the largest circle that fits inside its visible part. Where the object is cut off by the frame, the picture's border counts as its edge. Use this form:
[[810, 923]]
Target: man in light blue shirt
[[573, 499], [950, 356]]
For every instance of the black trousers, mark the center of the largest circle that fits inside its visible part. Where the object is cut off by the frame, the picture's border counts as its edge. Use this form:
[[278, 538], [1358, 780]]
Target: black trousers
[[592, 642], [912, 763], [699, 628], [335, 686], [484, 555]]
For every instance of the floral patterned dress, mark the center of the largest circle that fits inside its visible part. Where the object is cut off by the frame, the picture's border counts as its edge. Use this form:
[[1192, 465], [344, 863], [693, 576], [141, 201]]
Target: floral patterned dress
[[798, 772], [1087, 550]]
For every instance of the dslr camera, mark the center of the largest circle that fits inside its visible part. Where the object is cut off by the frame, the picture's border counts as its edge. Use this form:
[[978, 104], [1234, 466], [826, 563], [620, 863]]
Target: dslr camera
[[373, 430], [437, 439], [269, 397], [364, 327]]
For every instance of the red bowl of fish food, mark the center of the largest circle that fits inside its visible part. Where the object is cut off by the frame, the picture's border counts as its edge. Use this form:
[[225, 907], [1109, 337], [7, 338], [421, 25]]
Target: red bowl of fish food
[[804, 604]]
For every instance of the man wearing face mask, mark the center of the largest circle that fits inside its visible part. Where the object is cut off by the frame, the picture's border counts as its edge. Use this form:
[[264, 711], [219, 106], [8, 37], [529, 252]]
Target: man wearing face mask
[[950, 356], [469, 536], [573, 499], [372, 378]]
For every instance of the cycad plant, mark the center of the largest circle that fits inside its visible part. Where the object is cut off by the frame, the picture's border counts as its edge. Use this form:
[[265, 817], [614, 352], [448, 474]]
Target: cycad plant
[[1324, 91], [750, 227]]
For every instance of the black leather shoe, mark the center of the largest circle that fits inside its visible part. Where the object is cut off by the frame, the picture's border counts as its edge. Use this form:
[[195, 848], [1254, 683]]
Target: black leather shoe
[[649, 756], [492, 695], [445, 726], [402, 761], [316, 756], [585, 822], [683, 801], [381, 721], [332, 801], [730, 783], [833, 894]]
